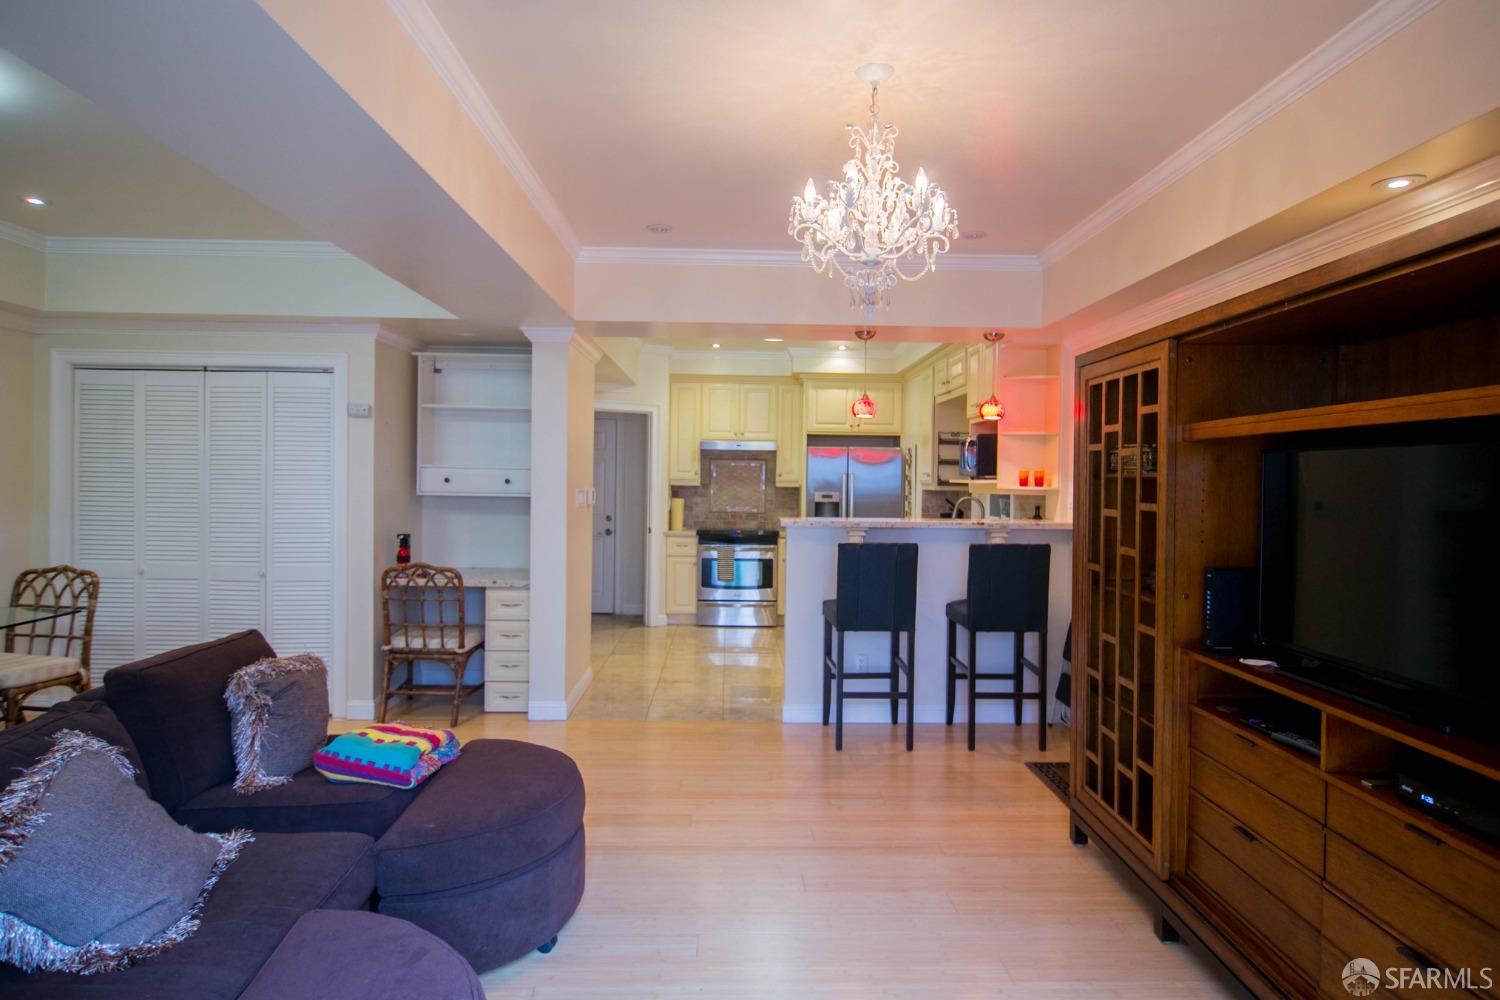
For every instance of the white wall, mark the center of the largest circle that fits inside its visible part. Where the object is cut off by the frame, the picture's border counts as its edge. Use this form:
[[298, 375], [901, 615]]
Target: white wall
[[19, 545]]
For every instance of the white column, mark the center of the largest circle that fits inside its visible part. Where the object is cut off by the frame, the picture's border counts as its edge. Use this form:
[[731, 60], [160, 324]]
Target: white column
[[562, 490]]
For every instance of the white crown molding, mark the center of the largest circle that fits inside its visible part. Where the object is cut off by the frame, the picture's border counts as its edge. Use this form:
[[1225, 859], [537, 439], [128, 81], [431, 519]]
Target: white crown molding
[[11, 319], [427, 32], [193, 248], [138, 325], [1459, 192], [588, 347], [786, 258], [386, 335], [21, 236], [548, 334], [1356, 38]]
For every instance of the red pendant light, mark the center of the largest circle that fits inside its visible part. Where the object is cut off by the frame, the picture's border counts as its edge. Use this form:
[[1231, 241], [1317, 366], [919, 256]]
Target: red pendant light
[[864, 406], [992, 409]]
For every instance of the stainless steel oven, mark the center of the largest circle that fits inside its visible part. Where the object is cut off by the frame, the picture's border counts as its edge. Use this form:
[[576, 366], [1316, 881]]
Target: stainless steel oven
[[737, 578]]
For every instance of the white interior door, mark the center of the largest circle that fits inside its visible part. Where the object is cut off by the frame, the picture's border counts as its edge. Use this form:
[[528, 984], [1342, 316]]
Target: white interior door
[[606, 444], [301, 516], [238, 442], [173, 509]]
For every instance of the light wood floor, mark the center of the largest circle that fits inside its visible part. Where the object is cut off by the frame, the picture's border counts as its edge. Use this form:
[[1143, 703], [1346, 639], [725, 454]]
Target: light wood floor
[[749, 860]]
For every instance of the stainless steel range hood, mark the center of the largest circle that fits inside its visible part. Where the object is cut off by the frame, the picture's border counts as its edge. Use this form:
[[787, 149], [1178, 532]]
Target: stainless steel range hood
[[738, 445]]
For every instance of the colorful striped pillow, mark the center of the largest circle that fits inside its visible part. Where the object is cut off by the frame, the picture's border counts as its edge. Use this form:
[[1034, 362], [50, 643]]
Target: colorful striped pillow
[[386, 754]]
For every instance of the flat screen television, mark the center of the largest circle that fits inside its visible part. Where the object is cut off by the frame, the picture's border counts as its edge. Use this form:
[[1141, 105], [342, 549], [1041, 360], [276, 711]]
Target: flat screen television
[[1380, 572]]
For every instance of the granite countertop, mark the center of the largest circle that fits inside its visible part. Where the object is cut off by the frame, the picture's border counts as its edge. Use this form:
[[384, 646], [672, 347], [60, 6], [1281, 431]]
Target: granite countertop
[[499, 579], [1010, 524]]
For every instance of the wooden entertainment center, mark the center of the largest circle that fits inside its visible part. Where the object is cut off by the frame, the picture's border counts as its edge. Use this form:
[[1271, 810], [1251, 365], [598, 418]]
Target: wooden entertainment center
[[1280, 863]]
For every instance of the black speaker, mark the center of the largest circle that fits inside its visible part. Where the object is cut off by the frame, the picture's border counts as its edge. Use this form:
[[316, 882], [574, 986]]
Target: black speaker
[[1228, 608]]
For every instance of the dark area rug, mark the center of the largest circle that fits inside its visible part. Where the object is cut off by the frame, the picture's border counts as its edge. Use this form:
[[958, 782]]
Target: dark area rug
[[1054, 775]]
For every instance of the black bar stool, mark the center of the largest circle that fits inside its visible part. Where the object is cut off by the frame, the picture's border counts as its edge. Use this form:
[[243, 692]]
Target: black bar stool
[[877, 592], [1007, 593]]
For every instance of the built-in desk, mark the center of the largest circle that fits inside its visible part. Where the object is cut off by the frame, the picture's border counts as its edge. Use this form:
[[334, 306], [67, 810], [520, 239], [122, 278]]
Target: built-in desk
[[942, 576], [507, 635]]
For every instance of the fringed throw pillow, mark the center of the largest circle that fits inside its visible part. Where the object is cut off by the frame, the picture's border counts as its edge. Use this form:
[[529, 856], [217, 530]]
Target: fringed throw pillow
[[94, 875], [280, 711]]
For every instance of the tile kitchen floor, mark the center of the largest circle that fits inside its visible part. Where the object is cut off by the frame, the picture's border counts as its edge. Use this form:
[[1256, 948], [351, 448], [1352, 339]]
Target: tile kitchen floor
[[683, 672]]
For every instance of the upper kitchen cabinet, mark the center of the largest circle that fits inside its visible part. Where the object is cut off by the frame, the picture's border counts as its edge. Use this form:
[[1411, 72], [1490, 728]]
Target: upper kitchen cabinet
[[950, 375], [734, 411], [789, 435], [473, 424], [828, 407], [684, 425]]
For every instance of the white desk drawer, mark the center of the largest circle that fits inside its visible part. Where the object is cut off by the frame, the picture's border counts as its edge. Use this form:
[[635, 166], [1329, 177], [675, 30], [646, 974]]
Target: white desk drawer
[[507, 696], [507, 666], [507, 635], [506, 605], [682, 546], [483, 482]]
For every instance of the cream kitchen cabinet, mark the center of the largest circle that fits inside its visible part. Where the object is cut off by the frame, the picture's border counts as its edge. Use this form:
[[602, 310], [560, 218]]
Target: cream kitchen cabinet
[[789, 436], [980, 380], [682, 573], [685, 434], [738, 411], [950, 374], [829, 408]]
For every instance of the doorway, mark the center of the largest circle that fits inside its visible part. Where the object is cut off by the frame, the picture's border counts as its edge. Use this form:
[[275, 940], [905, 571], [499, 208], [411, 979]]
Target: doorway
[[619, 544]]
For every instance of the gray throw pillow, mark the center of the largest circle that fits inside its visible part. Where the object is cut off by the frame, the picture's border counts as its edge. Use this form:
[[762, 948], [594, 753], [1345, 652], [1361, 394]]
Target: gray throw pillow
[[94, 875], [280, 710]]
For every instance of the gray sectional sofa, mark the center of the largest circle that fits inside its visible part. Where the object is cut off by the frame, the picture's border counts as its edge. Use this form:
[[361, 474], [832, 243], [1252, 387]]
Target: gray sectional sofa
[[348, 890]]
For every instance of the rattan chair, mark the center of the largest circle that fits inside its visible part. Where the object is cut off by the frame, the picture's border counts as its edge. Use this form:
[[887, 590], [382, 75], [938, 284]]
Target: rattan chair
[[53, 653], [423, 611]]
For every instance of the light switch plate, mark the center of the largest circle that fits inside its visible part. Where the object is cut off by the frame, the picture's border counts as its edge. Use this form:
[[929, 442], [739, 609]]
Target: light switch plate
[[360, 409]]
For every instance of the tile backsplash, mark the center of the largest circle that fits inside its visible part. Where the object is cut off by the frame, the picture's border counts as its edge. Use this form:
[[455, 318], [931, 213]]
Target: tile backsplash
[[738, 490]]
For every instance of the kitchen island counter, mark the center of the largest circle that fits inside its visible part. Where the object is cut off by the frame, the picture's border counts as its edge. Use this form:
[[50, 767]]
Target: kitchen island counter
[[942, 576]]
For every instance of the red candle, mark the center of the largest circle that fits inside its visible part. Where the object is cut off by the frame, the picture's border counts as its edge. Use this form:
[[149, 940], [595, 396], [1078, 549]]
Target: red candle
[[1040, 477], [1025, 478]]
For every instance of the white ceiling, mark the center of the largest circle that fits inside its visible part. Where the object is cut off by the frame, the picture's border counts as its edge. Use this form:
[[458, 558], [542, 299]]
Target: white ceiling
[[709, 116], [102, 177]]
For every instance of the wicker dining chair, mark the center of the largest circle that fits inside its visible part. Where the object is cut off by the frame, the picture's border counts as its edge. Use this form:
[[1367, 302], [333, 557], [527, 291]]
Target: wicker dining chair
[[53, 653], [422, 608]]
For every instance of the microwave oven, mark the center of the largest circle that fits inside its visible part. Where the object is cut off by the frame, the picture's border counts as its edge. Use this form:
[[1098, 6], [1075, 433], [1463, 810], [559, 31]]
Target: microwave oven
[[978, 458]]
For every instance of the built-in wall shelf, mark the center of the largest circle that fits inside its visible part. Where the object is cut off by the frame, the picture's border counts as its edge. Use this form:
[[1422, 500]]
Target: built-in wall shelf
[[473, 424], [1452, 405]]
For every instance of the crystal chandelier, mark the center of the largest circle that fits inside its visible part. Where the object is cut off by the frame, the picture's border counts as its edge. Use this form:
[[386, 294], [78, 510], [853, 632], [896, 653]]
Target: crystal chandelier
[[872, 227]]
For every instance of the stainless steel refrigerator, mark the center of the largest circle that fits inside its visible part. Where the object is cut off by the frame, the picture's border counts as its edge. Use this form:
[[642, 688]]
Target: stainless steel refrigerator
[[864, 480]]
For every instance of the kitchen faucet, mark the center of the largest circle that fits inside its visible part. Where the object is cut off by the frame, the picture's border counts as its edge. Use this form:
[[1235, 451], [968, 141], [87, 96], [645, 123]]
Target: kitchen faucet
[[958, 507]]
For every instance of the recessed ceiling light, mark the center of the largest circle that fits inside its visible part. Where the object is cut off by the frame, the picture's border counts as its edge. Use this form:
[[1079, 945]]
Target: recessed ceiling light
[[975, 234], [774, 340], [1399, 182], [34, 201], [716, 347], [843, 347], [659, 228]]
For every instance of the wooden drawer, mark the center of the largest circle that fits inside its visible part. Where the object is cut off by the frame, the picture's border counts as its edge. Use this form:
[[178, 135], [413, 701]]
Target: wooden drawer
[[1348, 935], [1419, 917], [505, 665], [506, 605], [506, 696], [682, 546], [1256, 906], [1268, 867], [1295, 833], [474, 482], [1425, 857], [507, 635], [1271, 766]]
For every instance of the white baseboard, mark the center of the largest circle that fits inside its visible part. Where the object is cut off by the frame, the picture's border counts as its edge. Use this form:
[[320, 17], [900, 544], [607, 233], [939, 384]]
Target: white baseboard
[[363, 710], [558, 711], [658, 622], [879, 711]]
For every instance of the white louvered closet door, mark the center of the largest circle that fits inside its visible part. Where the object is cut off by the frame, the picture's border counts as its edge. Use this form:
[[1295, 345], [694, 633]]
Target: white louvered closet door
[[173, 510], [301, 605], [106, 507], [238, 442]]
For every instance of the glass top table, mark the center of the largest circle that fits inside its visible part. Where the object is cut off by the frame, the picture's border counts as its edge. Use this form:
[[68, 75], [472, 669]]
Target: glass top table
[[13, 617]]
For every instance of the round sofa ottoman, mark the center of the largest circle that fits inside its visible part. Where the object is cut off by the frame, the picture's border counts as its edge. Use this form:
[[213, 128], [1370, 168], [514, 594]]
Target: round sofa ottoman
[[490, 855]]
